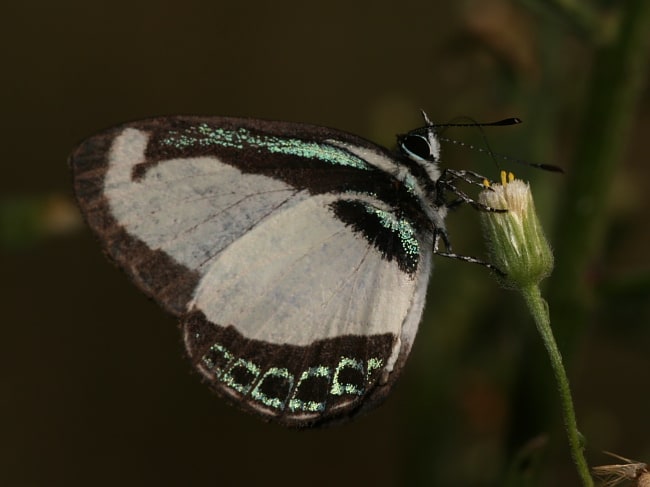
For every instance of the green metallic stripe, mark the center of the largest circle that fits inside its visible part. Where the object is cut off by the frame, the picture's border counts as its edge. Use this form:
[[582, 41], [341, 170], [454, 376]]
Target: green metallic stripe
[[292, 397], [401, 226], [203, 135]]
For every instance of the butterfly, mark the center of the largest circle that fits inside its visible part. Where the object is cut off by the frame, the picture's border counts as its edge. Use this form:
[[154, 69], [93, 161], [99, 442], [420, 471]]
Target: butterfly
[[295, 257]]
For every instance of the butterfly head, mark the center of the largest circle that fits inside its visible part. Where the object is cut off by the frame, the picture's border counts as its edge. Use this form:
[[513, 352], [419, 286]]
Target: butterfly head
[[421, 144]]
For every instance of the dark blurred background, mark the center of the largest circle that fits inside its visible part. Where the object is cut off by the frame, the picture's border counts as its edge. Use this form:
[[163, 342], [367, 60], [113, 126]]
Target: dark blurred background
[[95, 387]]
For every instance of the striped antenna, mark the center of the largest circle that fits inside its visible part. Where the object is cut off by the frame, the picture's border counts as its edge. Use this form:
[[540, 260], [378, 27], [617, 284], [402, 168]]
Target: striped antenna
[[487, 149]]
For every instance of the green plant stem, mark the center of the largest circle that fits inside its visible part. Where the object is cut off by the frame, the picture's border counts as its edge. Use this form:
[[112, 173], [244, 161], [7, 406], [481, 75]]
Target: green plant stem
[[539, 310]]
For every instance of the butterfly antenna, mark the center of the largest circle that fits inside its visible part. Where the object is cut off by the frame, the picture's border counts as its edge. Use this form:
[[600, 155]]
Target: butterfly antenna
[[488, 149], [474, 123], [503, 157]]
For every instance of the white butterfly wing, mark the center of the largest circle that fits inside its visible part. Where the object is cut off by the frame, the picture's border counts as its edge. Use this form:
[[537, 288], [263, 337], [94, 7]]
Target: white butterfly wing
[[289, 306]]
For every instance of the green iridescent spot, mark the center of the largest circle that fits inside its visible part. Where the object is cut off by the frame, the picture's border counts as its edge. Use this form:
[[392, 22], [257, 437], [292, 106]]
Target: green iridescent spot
[[295, 404], [373, 364], [339, 388], [401, 226], [210, 358], [249, 378], [274, 402], [202, 135], [410, 183], [249, 368]]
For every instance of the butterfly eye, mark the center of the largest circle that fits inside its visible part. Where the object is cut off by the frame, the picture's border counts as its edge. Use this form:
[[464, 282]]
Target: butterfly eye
[[416, 147]]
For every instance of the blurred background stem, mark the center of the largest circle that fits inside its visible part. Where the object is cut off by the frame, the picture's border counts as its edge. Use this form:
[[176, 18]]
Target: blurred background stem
[[619, 74], [617, 78]]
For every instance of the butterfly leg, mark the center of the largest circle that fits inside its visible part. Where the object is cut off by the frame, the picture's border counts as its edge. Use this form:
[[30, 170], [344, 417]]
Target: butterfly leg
[[447, 183], [440, 234], [470, 177], [472, 260], [464, 198]]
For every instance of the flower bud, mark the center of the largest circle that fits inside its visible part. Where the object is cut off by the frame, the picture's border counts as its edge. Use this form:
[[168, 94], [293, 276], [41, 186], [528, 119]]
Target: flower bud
[[515, 238]]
